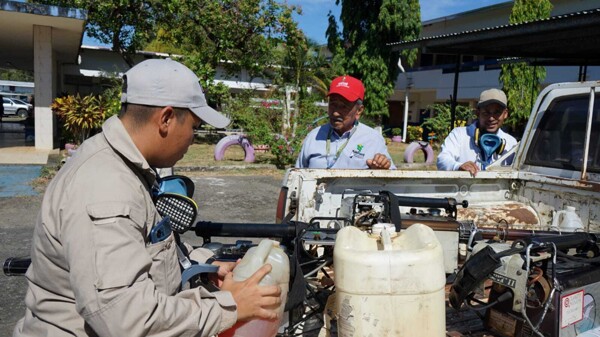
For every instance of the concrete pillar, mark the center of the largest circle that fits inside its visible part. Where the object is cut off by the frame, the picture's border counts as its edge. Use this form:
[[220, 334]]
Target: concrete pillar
[[43, 73]]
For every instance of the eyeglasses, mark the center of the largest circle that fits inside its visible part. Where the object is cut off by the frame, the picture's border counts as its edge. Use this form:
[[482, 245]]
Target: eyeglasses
[[495, 113]]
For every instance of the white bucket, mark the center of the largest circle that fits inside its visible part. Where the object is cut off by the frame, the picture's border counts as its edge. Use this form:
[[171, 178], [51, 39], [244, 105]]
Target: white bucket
[[390, 285], [267, 251]]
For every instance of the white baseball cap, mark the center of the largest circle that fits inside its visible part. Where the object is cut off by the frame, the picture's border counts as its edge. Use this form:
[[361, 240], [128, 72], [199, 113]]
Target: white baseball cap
[[492, 96], [164, 82]]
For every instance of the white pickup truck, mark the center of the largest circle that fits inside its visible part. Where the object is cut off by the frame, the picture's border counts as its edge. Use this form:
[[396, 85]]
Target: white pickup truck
[[556, 164]]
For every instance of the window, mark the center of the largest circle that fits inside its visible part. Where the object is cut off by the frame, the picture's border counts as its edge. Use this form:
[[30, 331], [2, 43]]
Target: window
[[559, 140], [426, 60], [491, 63], [442, 59]]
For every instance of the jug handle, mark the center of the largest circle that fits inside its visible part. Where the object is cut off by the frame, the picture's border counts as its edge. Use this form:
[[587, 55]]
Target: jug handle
[[263, 249], [386, 240], [555, 218]]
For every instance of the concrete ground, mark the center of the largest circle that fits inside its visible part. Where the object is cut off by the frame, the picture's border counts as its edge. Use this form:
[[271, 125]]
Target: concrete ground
[[245, 199], [15, 148]]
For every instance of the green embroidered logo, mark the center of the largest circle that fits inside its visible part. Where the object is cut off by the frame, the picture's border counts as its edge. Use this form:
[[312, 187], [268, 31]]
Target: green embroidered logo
[[359, 147]]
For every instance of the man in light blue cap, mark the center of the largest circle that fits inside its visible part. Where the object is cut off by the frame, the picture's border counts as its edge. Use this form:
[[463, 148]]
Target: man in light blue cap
[[474, 147], [96, 269], [345, 143]]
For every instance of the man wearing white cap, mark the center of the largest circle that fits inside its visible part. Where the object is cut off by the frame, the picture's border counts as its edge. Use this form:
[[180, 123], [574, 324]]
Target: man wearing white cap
[[345, 143], [95, 270], [476, 146]]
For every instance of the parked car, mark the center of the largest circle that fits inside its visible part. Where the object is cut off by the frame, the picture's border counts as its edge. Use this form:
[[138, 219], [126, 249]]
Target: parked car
[[15, 107]]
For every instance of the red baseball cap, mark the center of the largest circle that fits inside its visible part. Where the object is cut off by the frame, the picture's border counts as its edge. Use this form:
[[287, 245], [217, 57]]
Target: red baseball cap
[[349, 87]]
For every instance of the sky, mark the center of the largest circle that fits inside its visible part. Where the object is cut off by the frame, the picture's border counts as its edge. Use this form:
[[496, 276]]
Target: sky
[[313, 20]]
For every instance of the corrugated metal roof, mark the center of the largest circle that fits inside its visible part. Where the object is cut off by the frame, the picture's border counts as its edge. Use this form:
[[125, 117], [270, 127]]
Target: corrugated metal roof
[[573, 38]]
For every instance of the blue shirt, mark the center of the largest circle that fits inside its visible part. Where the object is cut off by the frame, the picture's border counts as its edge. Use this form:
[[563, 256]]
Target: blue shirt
[[459, 147], [358, 145]]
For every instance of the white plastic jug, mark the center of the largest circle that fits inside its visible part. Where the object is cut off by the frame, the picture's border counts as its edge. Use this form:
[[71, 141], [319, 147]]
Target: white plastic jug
[[567, 220], [389, 284], [267, 251]]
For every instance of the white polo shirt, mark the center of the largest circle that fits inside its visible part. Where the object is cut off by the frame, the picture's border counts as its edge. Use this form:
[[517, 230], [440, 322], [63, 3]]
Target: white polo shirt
[[459, 147], [354, 147]]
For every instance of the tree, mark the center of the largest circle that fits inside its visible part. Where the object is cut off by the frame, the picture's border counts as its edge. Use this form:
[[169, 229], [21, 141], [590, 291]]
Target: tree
[[304, 71], [438, 123], [16, 75], [232, 34], [161, 45], [520, 81], [124, 25], [361, 49]]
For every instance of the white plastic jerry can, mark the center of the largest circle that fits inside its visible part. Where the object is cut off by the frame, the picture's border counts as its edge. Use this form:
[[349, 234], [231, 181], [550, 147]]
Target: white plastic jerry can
[[267, 251], [389, 284], [567, 220]]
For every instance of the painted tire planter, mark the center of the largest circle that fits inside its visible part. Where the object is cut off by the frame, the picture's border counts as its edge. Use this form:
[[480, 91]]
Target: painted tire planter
[[413, 147], [228, 141]]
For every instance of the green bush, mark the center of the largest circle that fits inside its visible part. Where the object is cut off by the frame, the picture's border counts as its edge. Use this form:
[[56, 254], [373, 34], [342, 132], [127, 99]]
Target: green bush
[[396, 132], [440, 123], [414, 133], [262, 123], [258, 122], [287, 147], [80, 116], [284, 152]]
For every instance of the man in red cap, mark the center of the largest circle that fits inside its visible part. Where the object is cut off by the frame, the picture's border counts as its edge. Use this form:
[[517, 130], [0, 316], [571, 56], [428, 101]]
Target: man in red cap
[[345, 143]]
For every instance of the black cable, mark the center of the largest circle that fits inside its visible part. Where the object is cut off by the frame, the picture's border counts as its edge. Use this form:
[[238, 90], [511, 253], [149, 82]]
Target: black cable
[[484, 306], [585, 260]]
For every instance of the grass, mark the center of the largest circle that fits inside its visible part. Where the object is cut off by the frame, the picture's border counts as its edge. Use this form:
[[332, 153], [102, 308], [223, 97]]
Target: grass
[[202, 155], [200, 161], [48, 172], [396, 150]]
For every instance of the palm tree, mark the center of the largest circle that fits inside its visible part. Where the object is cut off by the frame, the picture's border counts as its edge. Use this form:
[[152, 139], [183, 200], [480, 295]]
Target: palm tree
[[306, 69]]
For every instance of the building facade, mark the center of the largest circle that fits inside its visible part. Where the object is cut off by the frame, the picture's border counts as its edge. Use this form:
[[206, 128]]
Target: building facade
[[431, 79]]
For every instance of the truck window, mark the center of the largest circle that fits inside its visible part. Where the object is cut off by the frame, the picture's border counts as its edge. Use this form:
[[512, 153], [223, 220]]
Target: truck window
[[560, 137]]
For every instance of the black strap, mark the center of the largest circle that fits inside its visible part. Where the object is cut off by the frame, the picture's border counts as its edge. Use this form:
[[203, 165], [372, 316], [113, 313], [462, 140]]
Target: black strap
[[394, 210]]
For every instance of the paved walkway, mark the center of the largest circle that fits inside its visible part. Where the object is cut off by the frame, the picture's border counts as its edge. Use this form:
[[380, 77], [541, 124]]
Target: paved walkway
[[15, 180], [16, 149], [22, 155], [20, 161]]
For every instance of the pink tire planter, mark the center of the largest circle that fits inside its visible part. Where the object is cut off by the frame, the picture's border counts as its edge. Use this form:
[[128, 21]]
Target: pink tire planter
[[397, 139], [413, 147], [228, 141]]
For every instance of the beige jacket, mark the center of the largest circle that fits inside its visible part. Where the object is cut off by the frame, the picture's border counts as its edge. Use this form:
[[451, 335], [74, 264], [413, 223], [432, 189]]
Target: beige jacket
[[93, 271]]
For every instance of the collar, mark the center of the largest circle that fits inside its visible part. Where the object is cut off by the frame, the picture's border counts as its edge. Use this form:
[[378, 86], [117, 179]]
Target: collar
[[475, 125], [346, 134], [118, 138]]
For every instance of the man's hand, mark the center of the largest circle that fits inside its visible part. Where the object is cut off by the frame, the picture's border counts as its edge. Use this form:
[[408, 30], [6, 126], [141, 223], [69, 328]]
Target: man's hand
[[225, 267], [254, 301], [469, 166], [379, 162]]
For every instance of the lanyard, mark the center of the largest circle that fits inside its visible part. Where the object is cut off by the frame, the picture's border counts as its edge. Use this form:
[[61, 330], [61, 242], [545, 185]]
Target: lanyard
[[341, 148]]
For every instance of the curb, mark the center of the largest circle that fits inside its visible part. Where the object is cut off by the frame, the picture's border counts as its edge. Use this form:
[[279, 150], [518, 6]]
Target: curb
[[223, 168]]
